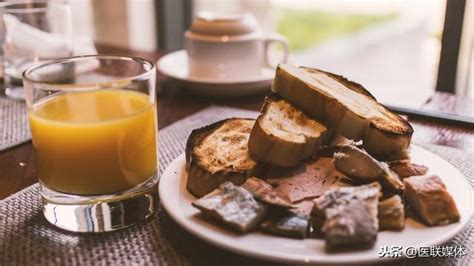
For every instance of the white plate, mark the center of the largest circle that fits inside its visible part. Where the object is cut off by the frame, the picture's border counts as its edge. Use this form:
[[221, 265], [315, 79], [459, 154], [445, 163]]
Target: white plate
[[177, 202], [175, 65]]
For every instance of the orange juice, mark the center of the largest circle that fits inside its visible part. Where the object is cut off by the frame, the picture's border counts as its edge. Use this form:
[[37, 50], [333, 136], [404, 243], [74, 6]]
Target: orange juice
[[97, 142]]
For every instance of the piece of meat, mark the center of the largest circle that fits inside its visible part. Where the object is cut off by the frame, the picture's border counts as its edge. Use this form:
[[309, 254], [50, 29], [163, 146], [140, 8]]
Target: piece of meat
[[289, 225], [308, 181], [331, 149], [404, 168], [429, 199], [391, 214], [360, 166], [232, 205], [303, 208], [391, 182], [357, 164], [347, 216], [338, 139], [264, 192]]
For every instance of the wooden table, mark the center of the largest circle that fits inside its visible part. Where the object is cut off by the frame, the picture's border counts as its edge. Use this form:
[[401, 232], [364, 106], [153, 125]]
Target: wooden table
[[18, 168]]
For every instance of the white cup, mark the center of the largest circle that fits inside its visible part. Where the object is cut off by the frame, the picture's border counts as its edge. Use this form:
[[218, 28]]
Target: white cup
[[229, 46]]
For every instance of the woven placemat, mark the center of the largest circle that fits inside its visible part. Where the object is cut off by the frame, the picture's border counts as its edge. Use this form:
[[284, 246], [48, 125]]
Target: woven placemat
[[13, 123], [27, 238]]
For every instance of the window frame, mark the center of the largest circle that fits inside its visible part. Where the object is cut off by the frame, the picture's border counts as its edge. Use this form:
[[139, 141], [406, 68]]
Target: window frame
[[173, 18], [450, 45]]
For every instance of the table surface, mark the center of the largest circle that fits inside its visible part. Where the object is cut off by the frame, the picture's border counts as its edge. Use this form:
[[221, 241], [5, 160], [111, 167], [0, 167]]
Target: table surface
[[18, 167]]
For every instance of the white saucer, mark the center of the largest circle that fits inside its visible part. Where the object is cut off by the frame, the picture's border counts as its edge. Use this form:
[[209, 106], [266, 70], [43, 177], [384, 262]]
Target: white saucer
[[175, 65]]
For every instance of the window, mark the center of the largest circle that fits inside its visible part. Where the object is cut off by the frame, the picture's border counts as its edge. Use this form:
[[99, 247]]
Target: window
[[391, 47]]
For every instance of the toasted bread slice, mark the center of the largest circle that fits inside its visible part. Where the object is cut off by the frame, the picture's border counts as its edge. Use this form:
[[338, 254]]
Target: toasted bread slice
[[283, 135], [346, 106], [218, 153]]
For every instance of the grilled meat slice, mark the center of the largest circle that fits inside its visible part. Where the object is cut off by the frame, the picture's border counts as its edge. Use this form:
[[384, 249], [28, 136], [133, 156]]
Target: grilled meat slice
[[340, 140], [264, 192], [289, 225], [309, 180], [391, 214], [233, 206], [391, 182], [358, 164], [348, 216], [303, 208], [404, 168], [429, 199], [362, 167]]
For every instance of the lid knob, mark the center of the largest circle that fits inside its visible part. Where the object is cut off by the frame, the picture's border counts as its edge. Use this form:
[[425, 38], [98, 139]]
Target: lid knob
[[209, 23]]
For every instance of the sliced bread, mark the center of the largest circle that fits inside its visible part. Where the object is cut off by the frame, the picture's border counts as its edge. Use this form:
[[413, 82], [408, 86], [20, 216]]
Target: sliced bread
[[346, 106], [283, 135], [218, 153]]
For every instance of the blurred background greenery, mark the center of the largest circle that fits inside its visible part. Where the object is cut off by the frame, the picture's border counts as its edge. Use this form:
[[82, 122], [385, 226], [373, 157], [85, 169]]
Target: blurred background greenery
[[305, 28]]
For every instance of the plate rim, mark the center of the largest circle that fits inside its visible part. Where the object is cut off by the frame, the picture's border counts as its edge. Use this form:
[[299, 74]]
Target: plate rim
[[288, 258]]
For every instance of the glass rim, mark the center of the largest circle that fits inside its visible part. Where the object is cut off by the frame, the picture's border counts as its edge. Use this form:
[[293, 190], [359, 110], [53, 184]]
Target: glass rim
[[89, 86], [26, 7]]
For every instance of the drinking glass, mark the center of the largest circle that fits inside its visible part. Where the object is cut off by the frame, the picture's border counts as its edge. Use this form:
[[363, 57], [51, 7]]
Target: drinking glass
[[33, 32], [93, 122]]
